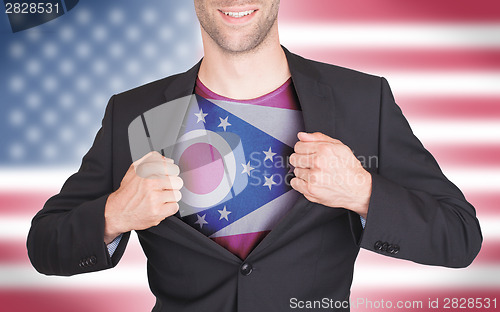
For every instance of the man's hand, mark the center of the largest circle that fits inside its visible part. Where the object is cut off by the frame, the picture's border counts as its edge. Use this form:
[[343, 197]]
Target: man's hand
[[148, 193], [328, 173]]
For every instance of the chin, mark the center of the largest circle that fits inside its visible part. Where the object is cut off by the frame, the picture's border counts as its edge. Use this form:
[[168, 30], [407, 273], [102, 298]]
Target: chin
[[240, 45]]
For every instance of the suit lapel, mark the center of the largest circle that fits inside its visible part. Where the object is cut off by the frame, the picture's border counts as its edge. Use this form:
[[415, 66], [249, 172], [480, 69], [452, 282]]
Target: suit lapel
[[183, 84], [315, 97]]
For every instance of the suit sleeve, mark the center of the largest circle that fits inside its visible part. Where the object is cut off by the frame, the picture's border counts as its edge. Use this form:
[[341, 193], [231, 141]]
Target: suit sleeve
[[415, 212], [67, 235]]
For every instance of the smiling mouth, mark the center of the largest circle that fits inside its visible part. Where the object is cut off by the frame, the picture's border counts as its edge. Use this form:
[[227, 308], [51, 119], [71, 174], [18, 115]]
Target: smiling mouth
[[239, 14]]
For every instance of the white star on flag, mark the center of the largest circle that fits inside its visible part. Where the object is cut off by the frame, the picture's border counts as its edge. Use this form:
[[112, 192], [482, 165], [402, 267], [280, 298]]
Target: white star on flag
[[201, 220], [269, 154], [224, 213], [201, 116], [247, 168], [269, 182], [224, 123]]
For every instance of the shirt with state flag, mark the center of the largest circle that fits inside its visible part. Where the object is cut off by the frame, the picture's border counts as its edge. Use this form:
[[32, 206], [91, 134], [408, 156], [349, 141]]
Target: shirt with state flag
[[236, 182]]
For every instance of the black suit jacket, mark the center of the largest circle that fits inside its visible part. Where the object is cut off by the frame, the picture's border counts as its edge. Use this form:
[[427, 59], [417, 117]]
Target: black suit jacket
[[415, 213]]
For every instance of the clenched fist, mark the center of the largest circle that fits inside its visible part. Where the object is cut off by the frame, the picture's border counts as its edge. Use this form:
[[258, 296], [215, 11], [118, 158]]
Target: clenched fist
[[327, 172], [148, 193]]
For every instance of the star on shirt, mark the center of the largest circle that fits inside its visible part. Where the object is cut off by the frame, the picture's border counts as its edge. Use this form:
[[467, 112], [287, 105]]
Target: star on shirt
[[247, 168], [201, 220], [269, 154], [269, 182], [224, 213], [201, 116], [224, 123]]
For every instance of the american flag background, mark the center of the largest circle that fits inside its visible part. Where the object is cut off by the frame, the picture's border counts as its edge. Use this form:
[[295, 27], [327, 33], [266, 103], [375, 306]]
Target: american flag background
[[441, 57]]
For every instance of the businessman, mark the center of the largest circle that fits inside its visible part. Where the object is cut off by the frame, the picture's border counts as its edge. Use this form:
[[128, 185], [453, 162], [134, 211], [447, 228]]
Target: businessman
[[302, 241]]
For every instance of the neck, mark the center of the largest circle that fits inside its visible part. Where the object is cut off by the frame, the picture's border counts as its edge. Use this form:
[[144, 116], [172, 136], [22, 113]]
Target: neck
[[245, 75]]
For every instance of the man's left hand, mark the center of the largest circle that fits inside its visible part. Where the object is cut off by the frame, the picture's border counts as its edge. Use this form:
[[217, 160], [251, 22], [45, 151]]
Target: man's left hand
[[327, 172]]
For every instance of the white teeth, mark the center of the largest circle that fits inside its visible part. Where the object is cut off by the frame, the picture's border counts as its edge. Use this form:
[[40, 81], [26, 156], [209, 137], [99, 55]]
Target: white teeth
[[239, 14]]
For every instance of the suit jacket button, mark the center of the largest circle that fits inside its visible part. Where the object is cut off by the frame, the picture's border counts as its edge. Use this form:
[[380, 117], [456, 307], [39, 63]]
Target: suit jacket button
[[384, 246], [390, 249], [396, 249], [93, 260], [246, 269], [378, 245]]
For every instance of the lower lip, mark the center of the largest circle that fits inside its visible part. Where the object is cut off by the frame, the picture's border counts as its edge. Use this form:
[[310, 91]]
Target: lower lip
[[237, 20]]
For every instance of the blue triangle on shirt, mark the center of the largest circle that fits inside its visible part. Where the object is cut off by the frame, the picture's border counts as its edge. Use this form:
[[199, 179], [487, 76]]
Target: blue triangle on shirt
[[247, 144]]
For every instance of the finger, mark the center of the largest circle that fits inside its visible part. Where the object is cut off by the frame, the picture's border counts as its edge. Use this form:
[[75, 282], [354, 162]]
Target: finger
[[301, 186], [171, 208], [170, 196], [172, 169], [310, 176], [301, 173], [152, 156], [153, 170], [134, 165], [302, 147], [147, 156], [316, 137], [164, 183], [157, 157], [157, 169], [307, 148], [302, 161], [171, 183]]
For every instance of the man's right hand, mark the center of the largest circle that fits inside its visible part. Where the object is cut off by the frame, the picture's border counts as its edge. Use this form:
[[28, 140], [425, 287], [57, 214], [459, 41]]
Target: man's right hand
[[148, 193]]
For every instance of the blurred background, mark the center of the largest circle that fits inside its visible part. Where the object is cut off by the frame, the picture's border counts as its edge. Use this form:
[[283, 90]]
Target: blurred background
[[442, 59]]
